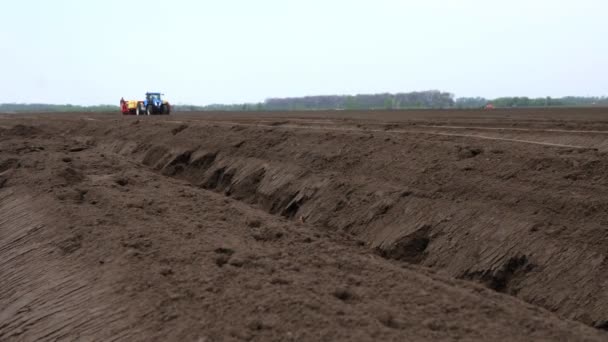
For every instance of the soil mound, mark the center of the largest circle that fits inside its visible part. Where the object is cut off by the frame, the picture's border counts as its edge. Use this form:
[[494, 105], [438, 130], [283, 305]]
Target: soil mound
[[511, 216]]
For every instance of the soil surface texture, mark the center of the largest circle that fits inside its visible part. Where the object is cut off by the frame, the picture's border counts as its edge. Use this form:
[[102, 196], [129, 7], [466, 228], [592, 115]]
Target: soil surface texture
[[305, 226]]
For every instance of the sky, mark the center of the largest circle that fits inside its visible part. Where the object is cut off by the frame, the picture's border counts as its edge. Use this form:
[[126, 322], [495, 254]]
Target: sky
[[234, 51]]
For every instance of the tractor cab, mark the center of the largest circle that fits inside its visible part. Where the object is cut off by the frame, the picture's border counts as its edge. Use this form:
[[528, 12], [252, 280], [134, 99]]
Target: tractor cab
[[154, 104], [154, 99]]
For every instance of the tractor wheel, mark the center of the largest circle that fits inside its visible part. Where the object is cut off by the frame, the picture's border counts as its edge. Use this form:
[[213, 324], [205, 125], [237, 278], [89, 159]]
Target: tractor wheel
[[164, 109], [150, 110]]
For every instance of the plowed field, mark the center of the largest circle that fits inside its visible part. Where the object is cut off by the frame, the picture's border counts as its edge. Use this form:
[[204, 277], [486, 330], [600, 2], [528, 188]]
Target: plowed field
[[305, 226]]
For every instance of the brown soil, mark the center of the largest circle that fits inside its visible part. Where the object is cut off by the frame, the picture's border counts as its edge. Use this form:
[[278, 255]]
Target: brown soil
[[421, 225]]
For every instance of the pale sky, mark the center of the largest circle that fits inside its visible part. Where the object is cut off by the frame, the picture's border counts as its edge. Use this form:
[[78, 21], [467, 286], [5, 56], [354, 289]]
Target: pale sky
[[230, 51]]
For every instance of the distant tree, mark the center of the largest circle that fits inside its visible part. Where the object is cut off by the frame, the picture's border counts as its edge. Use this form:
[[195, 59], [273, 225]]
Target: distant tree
[[351, 103], [471, 102], [388, 103]]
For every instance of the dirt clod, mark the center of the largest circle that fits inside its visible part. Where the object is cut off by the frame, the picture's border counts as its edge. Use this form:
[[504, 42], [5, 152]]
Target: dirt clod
[[122, 181], [222, 260], [344, 294], [178, 129], [280, 281], [71, 175], [603, 325], [410, 248], [70, 245], [8, 164], [77, 149], [166, 271], [224, 250], [254, 223], [468, 152]]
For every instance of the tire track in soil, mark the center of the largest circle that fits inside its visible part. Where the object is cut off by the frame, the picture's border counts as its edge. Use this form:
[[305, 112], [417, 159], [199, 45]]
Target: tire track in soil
[[397, 131], [516, 129]]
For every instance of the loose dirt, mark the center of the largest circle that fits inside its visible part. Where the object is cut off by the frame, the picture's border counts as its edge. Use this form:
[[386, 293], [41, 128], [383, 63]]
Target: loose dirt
[[307, 226]]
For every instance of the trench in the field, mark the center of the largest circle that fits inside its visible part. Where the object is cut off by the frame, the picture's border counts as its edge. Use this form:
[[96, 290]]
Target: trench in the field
[[468, 241]]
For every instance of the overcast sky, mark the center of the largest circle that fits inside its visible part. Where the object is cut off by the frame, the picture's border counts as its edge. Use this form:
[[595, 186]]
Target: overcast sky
[[202, 52]]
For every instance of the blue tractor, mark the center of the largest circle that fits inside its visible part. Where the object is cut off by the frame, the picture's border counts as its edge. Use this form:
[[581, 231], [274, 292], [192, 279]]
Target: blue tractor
[[154, 105]]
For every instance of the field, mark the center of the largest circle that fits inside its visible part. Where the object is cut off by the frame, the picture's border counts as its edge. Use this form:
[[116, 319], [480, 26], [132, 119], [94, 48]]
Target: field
[[305, 226]]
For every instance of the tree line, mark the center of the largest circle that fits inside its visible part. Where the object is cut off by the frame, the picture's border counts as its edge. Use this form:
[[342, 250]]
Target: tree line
[[432, 99], [423, 99], [512, 102], [42, 107]]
